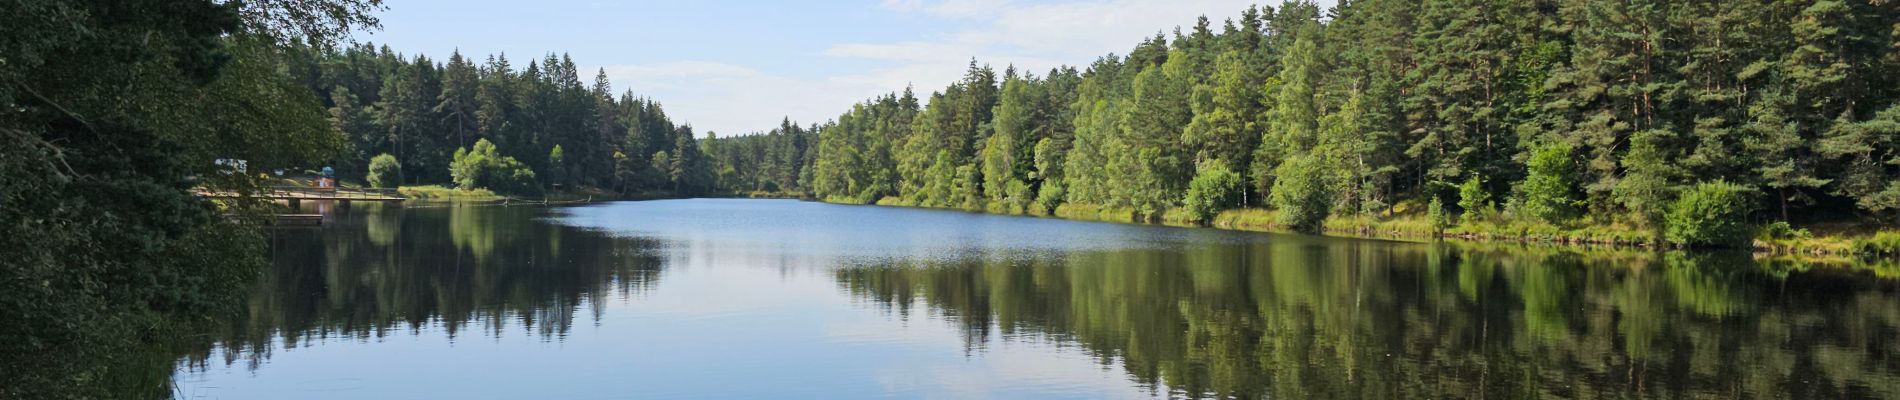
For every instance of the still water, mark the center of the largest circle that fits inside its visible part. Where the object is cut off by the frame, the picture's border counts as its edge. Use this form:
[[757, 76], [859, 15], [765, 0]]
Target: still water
[[788, 299]]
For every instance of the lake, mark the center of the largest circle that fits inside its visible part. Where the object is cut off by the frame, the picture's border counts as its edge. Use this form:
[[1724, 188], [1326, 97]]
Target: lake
[[787, 299]]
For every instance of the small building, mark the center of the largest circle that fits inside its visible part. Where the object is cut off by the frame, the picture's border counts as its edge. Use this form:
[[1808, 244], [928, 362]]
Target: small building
[[326, 181]]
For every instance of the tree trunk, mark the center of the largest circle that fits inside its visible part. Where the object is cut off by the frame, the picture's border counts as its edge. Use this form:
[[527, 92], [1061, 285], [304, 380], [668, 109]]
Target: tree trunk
[[1784, 204]]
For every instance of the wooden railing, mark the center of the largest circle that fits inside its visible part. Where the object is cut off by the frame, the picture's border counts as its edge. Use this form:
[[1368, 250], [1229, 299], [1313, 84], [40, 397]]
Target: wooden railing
[[346, 193], [310, 193]]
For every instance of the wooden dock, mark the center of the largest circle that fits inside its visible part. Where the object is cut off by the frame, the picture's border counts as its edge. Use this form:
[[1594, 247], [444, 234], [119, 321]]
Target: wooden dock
[[294, 196], [297, 194]]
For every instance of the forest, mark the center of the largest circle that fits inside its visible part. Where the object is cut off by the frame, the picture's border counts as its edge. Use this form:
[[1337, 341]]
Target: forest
[[1690, 122], [1640, 122], [120, 112], [543, 127]]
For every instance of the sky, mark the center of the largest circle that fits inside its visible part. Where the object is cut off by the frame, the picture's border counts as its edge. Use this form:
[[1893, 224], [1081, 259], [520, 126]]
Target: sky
[[737, 67]]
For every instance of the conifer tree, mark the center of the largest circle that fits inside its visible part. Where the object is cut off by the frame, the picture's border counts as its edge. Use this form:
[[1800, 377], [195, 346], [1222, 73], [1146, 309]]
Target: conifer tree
[[457, 104]]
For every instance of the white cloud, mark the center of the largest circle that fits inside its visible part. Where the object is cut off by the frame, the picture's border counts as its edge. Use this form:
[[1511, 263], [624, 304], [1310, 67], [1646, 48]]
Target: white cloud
[[902, 5], [1075, 31], [947, 8], [1033, 37], [906, 51], [732, 99], [1092, 28], [969, 8]]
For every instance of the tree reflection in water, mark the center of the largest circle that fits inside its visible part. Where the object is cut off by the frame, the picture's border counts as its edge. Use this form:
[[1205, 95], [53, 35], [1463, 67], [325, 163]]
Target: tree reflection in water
[[1320, 318], [383, 270], [1196, 316]]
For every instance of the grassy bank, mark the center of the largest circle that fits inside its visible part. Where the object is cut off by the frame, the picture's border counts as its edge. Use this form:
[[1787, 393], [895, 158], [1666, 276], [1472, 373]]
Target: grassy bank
[[1408, 222], [439, 193], [447, 194], [1782, 240], [770, 195]]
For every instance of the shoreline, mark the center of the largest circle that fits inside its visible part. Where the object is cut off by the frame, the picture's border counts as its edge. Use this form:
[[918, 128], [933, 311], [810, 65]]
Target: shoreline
[[1821, 248], [1818, 248]]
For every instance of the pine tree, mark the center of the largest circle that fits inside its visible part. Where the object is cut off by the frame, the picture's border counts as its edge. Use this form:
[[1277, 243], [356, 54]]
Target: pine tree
[[1615, 86], [605, 135], [1463, 50], [457, 105], [1351, 140], [1057, 135], [1779, 151], [494, 100], [361, 141], [1227, 109], [1009, 154], [1153, 171], [1096, 115], [685, 156], [1293, 121], [401, 114]]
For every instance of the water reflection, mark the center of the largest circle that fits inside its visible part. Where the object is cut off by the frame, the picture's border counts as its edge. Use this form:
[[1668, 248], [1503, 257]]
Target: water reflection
[[570, 302], [374, 271], [1321, 318]]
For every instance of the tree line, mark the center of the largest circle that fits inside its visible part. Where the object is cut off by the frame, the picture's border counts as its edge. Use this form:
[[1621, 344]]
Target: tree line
[[487, 123], [1554, 111]]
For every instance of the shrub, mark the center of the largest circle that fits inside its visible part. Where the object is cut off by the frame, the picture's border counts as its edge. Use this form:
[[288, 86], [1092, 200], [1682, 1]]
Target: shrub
[[484, 167], [1020, 196], [438, 192], [1215, 188], [1436, 213], [384, 171], [557, 166], [1547, 193], [1301, 192], [1474, 200], [1709, 214], [1051, 194], [1782, 231]]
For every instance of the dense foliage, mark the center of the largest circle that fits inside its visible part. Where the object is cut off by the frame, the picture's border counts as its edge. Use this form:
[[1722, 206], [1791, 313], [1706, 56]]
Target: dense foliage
[[1302, 193], [1215, 187], [422, 111], [112, 111], [1709, 213], [482, 167], [1559, 111], [384, 171], [777, 161], [1548, 191]]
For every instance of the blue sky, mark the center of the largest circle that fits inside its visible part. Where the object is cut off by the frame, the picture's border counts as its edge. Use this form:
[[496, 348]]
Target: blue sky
[[739, 66]]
